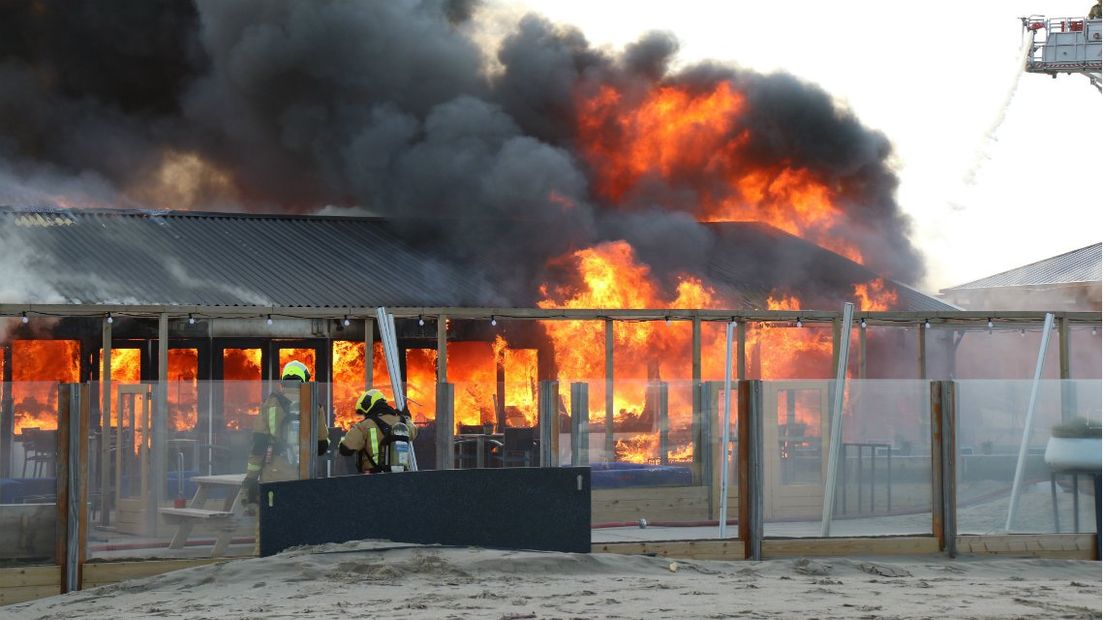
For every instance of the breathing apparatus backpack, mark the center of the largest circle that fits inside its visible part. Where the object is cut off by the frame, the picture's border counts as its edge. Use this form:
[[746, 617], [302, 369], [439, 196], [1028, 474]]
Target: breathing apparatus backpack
[[395, 448]]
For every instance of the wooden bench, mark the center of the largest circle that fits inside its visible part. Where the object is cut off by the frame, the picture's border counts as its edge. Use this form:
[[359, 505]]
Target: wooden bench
[[225, 520]]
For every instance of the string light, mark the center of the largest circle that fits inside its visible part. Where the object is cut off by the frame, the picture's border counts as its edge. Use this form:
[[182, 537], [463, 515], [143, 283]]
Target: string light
[[990, 324], [421, 321], [346, 322], [862, 324], [268, 321], [667, 320], [191, 319], [110, 319], [1094, 331], [24, 318], [927, 324], [799, 323], [493, 321]]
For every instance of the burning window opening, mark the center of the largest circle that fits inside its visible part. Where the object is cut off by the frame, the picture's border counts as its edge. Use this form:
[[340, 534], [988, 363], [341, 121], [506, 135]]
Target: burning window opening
[[241, 396], [37, 368]]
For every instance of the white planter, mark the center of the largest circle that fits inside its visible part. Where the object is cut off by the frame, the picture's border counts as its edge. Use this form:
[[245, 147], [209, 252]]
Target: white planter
[[1073, 453]]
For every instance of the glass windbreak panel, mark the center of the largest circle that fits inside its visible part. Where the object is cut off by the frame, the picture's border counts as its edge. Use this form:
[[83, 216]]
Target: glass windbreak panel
[[1056, 462], [163, 489], [882, 483], [667, 468], [28, 484]]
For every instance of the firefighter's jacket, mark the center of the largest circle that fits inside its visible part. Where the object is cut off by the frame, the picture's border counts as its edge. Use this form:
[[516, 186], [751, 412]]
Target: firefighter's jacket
[[274, 455], [365, 436]]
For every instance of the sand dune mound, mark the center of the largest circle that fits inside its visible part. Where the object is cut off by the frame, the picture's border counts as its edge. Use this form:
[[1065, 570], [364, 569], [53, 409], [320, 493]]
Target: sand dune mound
[[379, 578]]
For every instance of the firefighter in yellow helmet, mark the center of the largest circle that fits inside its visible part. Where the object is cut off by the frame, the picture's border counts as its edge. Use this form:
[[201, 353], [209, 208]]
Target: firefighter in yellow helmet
[[275, 447], [366, 439]]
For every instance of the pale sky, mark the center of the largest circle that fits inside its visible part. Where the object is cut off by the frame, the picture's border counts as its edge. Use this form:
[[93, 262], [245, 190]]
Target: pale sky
[[998, 168]]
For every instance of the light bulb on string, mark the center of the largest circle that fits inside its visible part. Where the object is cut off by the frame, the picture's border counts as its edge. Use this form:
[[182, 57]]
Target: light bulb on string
[[268, 320], [862, 324], [191, 320], [421, 321], [24, 318], [110, 319], [346, 322], [493, 321], [799, 323]]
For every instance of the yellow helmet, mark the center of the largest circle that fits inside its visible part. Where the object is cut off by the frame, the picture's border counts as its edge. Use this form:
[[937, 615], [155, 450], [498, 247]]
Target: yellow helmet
[[295, 371], [367, 400]]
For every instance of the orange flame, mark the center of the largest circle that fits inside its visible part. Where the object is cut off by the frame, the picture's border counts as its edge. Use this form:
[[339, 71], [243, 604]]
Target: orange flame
[[610, 277], [241, 371], [37, 367], [183, 388], [680, 135], [874, 295]]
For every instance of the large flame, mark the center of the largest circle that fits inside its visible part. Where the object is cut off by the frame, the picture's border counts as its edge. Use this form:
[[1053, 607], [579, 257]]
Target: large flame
[[349, 380], [695, 137], [874, 296], [609, 276], [37, 368]]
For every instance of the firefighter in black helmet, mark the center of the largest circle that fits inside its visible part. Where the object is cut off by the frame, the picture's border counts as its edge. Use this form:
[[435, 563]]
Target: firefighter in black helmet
[[275, 447], [366, 438]]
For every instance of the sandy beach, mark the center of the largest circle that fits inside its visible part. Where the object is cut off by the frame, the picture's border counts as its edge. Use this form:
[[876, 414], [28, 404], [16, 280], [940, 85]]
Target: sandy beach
[[382, 579]]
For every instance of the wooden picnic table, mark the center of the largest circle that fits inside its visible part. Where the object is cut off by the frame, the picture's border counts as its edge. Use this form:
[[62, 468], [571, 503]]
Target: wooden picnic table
[[196, 512]]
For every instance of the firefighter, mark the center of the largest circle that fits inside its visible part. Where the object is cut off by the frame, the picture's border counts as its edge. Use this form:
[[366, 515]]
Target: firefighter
[[365, 438], [275, 449]]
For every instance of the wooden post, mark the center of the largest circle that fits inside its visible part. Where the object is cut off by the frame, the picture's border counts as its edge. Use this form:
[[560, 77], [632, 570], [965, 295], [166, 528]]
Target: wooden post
[[580, 436], [369, 351], [105, 429], [83, 457], [749, 429], [609, 455], [442, 349], [72, 478], [445, 426], [548, 421], [1068, 394], [663, 420], [698, 449], [862, 351], [944, 450], [159, 462], [7, 413], [309, 398], [741, 350], [921, 351]]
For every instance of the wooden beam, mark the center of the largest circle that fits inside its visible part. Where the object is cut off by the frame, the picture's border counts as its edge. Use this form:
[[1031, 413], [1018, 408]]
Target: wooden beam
[[820, 547], [978, 318], [936, 392], [64, 460], [700, 450]]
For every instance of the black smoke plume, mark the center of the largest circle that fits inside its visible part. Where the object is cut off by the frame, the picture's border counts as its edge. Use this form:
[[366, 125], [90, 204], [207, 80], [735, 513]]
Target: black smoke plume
[[390, 108]]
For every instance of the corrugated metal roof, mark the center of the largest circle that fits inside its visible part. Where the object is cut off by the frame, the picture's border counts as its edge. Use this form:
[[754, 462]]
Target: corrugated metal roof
[[757, 260], [217, 259], [1081, 265], [185, 258]]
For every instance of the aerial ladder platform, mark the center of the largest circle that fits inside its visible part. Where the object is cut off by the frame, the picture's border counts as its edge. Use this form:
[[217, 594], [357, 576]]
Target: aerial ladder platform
[[1064, 45]]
